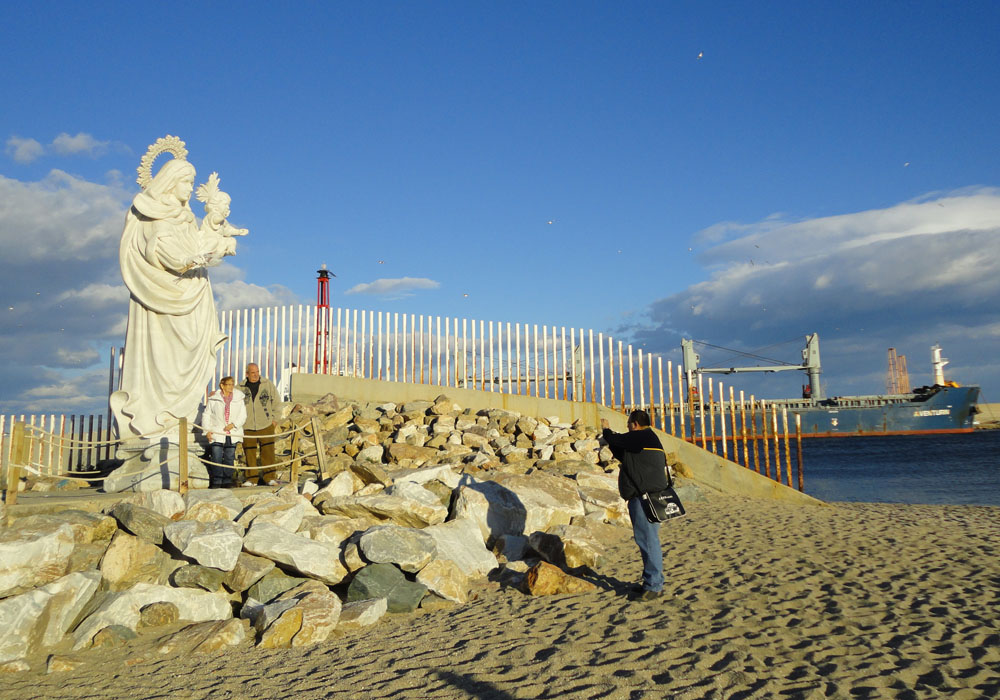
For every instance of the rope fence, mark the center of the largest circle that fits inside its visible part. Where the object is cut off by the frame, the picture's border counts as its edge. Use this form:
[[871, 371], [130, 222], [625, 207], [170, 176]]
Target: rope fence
[[28, 441]]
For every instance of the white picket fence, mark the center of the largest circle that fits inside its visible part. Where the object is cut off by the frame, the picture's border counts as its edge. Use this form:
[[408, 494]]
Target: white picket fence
[[547, 361]]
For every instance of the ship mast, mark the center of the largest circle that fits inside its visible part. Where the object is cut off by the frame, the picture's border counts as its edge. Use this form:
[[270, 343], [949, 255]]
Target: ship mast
[[937, 364]]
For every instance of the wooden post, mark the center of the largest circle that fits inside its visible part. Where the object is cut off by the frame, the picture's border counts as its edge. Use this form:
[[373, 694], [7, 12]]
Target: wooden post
[[14, 463], [788, 453], [764, 441], [182, 456], [320, 450], [711, 413], [798, 449], [294, 477]]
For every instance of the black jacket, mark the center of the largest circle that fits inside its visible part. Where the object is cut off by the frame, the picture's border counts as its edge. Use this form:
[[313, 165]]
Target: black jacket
[[644, 464]]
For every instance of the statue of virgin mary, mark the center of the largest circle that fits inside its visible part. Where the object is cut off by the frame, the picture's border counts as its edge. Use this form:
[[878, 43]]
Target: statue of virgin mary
[[173, 329]]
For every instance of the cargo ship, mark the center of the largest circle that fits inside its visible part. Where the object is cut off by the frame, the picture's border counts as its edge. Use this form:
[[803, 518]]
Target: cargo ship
[[943, 407]]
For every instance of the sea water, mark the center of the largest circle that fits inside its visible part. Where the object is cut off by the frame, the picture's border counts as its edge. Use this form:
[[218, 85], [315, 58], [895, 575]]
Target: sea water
[[954, 469]]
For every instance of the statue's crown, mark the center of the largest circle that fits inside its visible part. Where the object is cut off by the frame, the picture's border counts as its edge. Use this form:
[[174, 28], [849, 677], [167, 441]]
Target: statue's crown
[[166, 144]]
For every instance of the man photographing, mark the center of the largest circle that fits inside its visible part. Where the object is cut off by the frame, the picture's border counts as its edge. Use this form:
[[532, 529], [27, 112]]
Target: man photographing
[[643, 470]]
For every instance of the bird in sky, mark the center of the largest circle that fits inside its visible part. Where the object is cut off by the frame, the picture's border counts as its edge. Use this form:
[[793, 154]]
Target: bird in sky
[[700, 54], [381, 262]]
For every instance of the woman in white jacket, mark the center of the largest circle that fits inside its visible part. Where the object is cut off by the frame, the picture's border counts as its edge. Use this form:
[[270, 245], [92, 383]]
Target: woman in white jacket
[[225, 414]]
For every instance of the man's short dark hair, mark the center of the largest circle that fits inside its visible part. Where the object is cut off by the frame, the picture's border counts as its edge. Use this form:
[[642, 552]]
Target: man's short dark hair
[[639, 417]]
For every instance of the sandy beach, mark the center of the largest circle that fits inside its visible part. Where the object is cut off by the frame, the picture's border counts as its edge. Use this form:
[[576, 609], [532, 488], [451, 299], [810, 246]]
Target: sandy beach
[[764, 600]]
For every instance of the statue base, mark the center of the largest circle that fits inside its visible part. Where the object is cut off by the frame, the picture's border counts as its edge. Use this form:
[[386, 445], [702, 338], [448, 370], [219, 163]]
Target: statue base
[[151, 465]]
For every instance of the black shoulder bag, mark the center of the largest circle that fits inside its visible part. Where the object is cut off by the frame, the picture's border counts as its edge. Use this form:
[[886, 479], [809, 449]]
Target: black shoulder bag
[[659, 506]]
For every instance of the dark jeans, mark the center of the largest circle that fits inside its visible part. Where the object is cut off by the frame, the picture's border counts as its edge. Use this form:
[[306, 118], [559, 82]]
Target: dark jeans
[[222, 454], [647, 536]]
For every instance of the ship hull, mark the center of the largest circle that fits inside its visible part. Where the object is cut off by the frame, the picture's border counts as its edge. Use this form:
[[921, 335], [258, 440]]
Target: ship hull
[[940, 410]]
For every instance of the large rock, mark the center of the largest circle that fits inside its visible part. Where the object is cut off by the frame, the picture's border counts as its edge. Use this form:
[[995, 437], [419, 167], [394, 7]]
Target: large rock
[[495, 509], [408, 548], [124, 608], [130, 560], [272, 584], [361, 613], [334, 529], [320, 614], [386, 581], [567, 546], [206, 637], [214, 544], [221, 497], [317, 560], [406, 455], [249, 570], [33, 556], [604, 503], [369, 469], [545, 579], [443, 577], [461, 541], [398, 509], [195, 576], [166, 503], [39, 618], [342, 484], [441, 472], [283, 511], [516, 504], [142, 522], [87, 527]]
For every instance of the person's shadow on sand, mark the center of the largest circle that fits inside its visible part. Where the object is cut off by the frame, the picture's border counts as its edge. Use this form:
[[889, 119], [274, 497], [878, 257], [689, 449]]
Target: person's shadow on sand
[[477, 689]]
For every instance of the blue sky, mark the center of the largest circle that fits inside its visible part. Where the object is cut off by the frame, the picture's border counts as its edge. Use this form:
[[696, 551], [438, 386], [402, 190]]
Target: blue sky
[[741, 173]]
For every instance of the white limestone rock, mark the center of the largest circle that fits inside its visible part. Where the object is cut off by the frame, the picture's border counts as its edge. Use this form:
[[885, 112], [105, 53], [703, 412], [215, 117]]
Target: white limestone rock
[[281, 510], [214, 544], [220, 497], [343, 484], [166, 503], [39, 618], [33, 556], [124, 608], [362, 613], [461, 541], [444, 473], [398, 509], [408, 548], [317, 560]]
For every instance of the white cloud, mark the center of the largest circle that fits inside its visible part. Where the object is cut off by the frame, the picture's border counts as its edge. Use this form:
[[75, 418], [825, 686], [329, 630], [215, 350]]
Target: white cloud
[[81, 144], [397, 288], [921, 272], [24, 150]]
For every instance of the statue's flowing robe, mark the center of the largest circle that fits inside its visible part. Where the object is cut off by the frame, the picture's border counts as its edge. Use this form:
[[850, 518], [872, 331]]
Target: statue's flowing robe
[[173, 329]]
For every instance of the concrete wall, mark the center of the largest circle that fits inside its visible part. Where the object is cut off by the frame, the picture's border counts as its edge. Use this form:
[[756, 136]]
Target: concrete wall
[[707, 468]]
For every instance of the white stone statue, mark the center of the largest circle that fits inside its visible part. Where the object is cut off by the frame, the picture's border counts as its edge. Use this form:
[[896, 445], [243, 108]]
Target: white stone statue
[[173, 329]]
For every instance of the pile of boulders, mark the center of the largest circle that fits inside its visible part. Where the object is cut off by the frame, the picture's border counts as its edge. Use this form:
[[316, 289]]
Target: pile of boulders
[[421, 503]]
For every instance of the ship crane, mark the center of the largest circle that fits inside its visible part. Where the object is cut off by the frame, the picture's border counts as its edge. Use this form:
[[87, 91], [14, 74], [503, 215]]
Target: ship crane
[[810, 364]]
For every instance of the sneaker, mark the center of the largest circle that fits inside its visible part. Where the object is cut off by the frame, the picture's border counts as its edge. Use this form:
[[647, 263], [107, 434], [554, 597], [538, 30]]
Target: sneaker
[[647, 595], [248, 483]]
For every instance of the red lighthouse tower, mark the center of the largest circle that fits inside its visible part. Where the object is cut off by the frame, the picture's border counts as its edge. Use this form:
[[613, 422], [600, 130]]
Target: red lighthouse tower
[[322, 319]]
